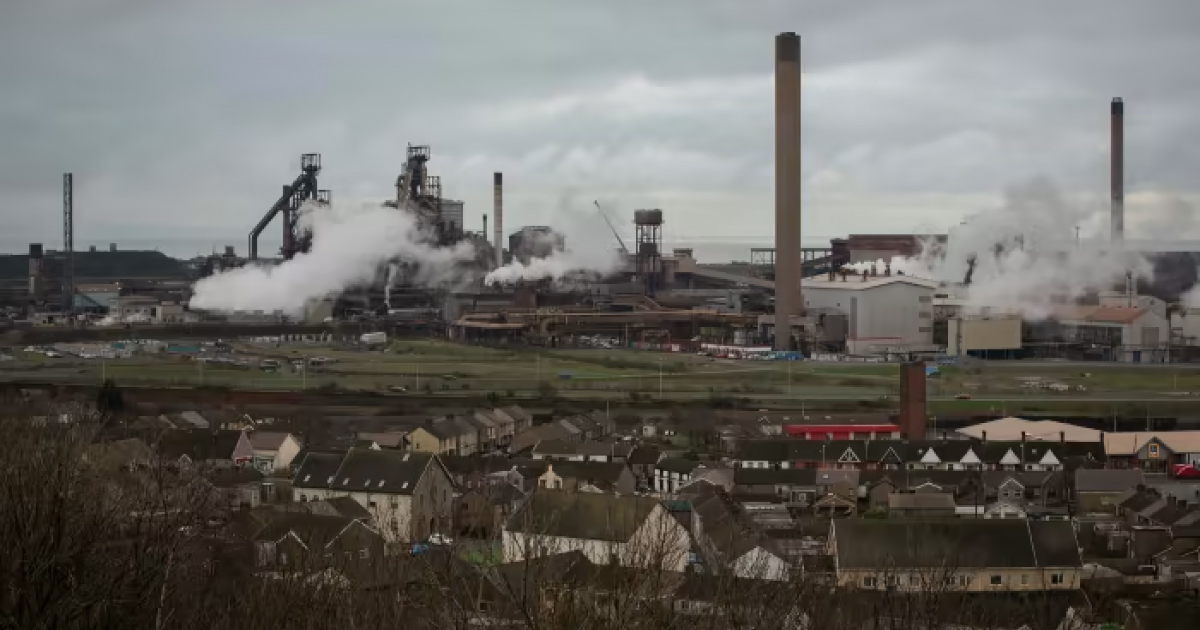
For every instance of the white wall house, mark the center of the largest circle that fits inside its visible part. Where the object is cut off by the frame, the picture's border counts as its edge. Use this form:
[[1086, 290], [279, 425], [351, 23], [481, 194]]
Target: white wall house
[[409, 495], [273, 451], [608, 529]]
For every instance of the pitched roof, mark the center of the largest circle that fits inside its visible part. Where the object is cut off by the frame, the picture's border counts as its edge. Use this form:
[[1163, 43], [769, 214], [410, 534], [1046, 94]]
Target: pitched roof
[[385, 439], [1010, 429], [1130, 442], [267, 440], [774, 476], [607, 473], [954, 544], [582, 515], [921, 501], [199, 445], [1108, 479], [339, 506], [387, 472], [644, 456], [317, 470], [315, 531], [678, 465], [232, 477], [554, 447]]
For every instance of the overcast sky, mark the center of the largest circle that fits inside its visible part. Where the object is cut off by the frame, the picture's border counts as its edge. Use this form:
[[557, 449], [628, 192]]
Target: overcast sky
[[183, 118]]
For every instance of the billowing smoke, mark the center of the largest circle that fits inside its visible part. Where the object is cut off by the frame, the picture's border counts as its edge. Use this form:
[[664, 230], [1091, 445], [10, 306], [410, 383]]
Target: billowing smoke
[[393, 269], [351, 242], [589, 250], [1035, 250]]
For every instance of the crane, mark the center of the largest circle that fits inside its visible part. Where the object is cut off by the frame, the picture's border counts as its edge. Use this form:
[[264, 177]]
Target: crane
[[624, 250]]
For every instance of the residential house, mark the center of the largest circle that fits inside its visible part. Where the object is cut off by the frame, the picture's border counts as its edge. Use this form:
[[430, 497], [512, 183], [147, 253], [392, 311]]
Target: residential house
[[795, 487], [239, 488], [483, 511], [581, 476], [672, 472], [409, 495], [476, 471], [522, 420], [205, 448], [273, 450], [466, 433], [607, 528], [604, 451], [1101, 490], [506, 426], [584, 426], [972, 555], [445, 436], [921, 505], [718, 477], [293, 541], [487, 430], [926, 455], [1151, 509], [529, 438], [729, 541], [733, 602], [1153, 451]]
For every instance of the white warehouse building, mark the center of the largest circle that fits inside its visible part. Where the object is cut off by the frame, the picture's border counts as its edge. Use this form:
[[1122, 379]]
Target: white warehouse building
[[883, 313]]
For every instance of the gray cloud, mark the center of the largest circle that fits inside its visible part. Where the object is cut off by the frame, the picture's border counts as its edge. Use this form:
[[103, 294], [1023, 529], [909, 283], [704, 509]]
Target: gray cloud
[[182, 119]]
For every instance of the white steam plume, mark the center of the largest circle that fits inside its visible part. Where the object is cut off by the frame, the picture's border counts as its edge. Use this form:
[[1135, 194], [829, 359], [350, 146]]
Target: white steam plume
[[1027, 255], [350, 244], [387, 287], [589, 250]]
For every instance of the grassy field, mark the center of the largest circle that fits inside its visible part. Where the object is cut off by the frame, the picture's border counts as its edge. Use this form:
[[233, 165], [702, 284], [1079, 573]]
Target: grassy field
[[438, 368]]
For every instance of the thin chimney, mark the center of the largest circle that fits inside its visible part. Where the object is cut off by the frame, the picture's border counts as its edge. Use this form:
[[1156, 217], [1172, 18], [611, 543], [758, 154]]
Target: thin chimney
[[498, 216]]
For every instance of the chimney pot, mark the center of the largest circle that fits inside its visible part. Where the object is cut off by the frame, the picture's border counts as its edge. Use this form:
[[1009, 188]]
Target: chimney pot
[[985, 437], [1062, 437]]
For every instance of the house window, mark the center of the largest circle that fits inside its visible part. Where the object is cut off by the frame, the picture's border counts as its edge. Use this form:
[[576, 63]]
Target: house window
[[558, 484], [868, 582], [1056, 578], [542, 483], [364, 553], [964, 580], [1024, 579], [914, 580], [997, 580]]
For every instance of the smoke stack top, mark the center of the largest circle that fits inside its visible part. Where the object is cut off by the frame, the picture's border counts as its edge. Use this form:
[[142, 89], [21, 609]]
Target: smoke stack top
[[498, 179], [1117, 173]]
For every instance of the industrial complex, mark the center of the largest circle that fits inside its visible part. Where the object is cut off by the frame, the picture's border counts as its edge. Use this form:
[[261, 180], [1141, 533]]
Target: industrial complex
[[841, 300]]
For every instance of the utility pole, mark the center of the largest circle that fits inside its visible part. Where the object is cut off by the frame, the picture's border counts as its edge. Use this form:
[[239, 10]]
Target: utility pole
[[660, 389]]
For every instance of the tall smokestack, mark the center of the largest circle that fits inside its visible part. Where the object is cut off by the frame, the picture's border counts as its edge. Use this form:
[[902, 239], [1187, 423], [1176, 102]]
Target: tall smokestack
[[787, 186], [1117, 175], [498, 216]]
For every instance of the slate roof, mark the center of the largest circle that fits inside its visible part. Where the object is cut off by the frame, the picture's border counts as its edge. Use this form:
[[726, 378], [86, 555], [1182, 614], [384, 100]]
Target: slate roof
[[233, 477], [678, 465], [468, 464], [317, 470], [364, 470], [644, 456], [1108, 479], [582, 515], [896, 451], [921, 501], [345, 507], [554, 447], [199, 445], [974, 543], [604, 473], [774, 476], [381, 471], [314, 530], [267, 440], [385, 439]]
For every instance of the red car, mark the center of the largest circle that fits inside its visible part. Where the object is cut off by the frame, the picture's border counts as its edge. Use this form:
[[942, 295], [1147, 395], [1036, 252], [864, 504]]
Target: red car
[[1185, 471]]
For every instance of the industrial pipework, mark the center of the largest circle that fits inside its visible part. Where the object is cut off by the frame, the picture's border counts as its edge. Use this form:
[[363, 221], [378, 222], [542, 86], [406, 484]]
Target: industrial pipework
[[289, 202]]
